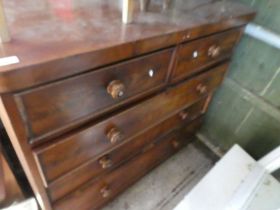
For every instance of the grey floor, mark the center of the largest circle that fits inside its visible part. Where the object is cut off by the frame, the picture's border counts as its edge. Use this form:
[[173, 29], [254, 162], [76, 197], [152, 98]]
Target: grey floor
[[166, 185]]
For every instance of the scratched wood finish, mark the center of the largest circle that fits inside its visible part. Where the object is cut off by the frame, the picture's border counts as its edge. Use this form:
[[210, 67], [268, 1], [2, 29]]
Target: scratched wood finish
[[94, 167], [194, 56], [98, 192], [55, 46], [93, 35], [73, 150], [55, 106]]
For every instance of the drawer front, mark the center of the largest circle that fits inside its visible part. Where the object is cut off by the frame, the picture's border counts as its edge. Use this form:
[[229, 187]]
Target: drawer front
[[98, 192], [76, 149], [192, 57], [67, 183], [60, 105]]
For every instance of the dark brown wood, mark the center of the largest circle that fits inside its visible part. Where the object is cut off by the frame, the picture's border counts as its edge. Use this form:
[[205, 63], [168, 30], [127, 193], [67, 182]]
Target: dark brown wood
[[81, 102], [91, 196], [2, 180], [51, 108], [14, 164], [75, 149], [15, 128], [94, 36], [112, 158], [197, 55], [10, 191]]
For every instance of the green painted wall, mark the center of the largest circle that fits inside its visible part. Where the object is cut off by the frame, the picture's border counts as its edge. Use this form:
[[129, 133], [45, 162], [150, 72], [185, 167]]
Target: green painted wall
[[246, 110]]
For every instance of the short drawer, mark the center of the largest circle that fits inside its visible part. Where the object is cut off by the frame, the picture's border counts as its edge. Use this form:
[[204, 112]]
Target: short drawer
[[93, 168], [194, 56], [60, 105], [96, 193], [72, 151]]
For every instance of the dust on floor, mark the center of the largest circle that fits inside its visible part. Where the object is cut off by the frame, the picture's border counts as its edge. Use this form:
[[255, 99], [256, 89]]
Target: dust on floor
[[166, 185]]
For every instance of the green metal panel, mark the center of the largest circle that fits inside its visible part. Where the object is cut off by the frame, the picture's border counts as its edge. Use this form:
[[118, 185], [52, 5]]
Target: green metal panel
[[232, 118], [246, 110], [226, 112], [256, 66], [268, 13]]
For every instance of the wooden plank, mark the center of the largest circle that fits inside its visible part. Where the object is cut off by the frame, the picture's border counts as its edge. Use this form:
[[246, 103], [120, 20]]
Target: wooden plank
[[10, 191], [2, 182]]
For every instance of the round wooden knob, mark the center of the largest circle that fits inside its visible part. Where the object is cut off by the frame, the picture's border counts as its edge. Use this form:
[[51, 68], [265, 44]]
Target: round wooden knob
[[184, 115], [202, 89], [214, 51], [175, 144], [105, 162], [116, 89], [114, 135], [105, 192]]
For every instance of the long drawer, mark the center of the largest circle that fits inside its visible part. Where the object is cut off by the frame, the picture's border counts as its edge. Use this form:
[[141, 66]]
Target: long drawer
[[197, 55], [60, 105], [74, 150], [67, 183], [98, 192]]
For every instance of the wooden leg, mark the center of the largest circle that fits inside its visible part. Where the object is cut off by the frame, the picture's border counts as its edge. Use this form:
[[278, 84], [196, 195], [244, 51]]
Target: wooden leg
[[10, 191], [4, 33], [2, 182]]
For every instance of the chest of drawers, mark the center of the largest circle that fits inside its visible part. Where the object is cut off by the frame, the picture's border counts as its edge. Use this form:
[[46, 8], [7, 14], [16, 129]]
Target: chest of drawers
[[96, 105]]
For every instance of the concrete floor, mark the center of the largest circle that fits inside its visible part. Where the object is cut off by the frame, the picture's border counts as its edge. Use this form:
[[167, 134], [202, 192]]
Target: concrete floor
[[166, 185]]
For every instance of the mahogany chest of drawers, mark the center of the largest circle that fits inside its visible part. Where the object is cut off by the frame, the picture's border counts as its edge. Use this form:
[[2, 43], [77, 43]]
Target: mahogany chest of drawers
[[94, 105]]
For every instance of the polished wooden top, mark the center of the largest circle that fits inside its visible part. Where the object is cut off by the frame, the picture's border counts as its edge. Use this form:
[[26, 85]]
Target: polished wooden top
[[54, 39]]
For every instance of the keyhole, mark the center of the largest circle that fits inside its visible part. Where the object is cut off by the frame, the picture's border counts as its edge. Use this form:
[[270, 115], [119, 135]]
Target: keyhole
[[195, 54], [151, 73]]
